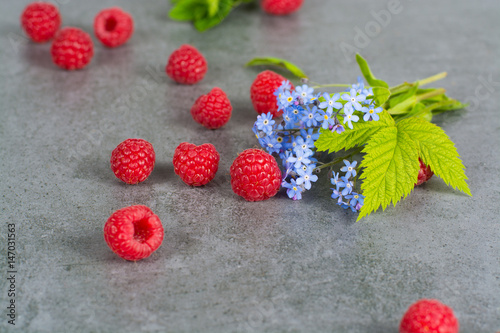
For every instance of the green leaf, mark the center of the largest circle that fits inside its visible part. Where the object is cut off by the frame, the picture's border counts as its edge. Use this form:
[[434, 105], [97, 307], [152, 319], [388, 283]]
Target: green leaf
[[207, 22], [271, 61], [213, 7], [367, 73], [402, 97], [390, 169], [436, 150], [381, 95], [359, 135], [185, 10]]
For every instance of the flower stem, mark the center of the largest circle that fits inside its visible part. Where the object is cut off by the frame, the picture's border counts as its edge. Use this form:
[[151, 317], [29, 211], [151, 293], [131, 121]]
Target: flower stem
[[341, 158], [407, 86]]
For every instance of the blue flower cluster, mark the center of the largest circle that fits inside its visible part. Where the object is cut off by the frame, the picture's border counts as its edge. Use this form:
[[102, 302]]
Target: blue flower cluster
[[344, 188], [304, 112]]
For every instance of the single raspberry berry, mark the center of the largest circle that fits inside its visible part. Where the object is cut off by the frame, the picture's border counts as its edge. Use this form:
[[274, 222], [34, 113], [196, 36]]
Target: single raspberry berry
[[424, 174], [186, 65], [72, 48], [212, 110], [281, 7], [196, 165], [429, 316], [113, 26], [40, 21], [255, 175], [262, 92], [133, 160], [133, 232]]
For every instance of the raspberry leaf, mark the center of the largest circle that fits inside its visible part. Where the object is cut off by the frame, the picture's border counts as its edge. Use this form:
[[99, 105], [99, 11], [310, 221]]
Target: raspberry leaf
[[285, 64], [436, 150], [390, 169], [367, 73], [359, 135]]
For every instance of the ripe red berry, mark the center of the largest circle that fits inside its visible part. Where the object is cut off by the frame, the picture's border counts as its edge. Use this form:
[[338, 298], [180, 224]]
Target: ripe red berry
[[113, 26], [186, 65], [212, 110], [133, 232], [281, 7], [255, 175], [429, 316], [262, 92], [424, 174], [72, 48], [196, 165], [133, 160], [40, 21]]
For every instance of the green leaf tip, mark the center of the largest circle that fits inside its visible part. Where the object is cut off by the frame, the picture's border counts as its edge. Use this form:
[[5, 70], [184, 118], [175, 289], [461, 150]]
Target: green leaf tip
[[282, 63]]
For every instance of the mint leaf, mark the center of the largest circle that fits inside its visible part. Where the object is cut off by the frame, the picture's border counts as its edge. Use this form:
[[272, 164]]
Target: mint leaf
[[390, 169], [207, 22], [185, 10], [359, 135], [436, 150], [213, 7], [271, 61], [367, 73]]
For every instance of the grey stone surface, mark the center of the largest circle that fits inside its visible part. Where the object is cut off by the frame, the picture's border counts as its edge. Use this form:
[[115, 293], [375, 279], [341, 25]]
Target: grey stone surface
[[227, 265]]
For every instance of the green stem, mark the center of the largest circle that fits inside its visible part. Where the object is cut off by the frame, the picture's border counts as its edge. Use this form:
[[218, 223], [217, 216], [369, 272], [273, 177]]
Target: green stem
[[407, 86], [341, 158], [404, 105]]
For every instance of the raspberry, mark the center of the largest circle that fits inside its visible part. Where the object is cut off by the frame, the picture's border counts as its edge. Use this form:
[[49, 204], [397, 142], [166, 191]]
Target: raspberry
[[424, 174], [133, 160], [186, 65], [72, 49], [40, 21], [113, 27], [196, 165], [133, 232], [262, 92], [429, 316], [212, 110], [281, 7], [255, 175]]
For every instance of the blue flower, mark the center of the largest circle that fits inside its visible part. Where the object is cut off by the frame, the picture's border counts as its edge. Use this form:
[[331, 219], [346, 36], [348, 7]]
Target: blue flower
[[330, 102], [349, 169], [306, 176], [350, 117], [303, 145], [371, 113], [285, 86], [286, 99], [309, 116], [325, 118], [305, 92], [335, 180], [355, 198], [294, 191], [338, 128], [336, 195], [265, 122], [302, 157], [271, 144], [346, 184], [353, 100], [309, 136]]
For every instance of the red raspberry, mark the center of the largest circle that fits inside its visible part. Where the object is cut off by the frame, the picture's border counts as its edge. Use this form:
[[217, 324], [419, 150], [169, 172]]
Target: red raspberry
[[196, 165], [72, 48], [40, 21], [429, 316], [262, 92], [212, 110], [424, 174], [133, 232], [133, 160], [113, 27], [186, 65], [281, 7], [255, 175]]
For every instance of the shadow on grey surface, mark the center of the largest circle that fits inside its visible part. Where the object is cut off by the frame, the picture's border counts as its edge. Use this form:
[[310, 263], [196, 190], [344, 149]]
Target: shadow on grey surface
[[38, 55], [163, 172]]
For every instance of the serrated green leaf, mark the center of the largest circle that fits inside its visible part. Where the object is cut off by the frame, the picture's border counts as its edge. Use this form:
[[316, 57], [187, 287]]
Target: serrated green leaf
[[350, 138], [367, 73], [436, 150], [271, 61], [390, 169], [381, 95]]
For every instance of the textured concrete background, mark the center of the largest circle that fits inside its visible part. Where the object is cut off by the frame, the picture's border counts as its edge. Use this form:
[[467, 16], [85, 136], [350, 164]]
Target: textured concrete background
[[227, 265]]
